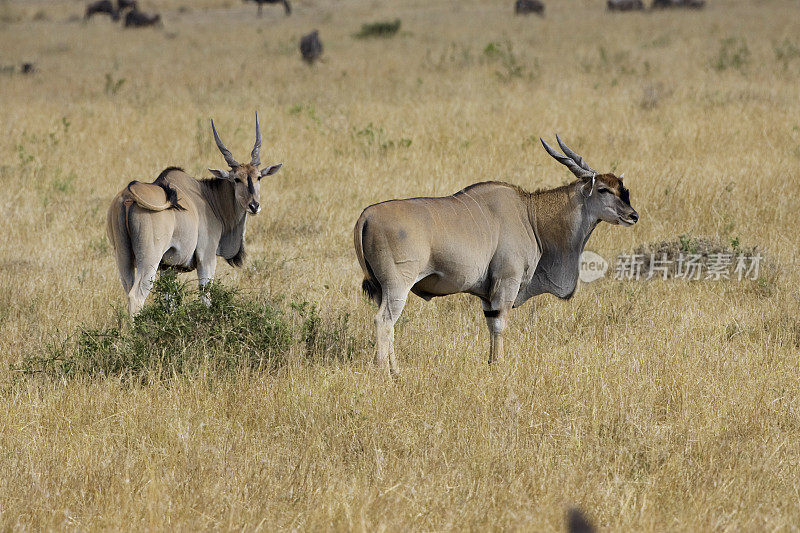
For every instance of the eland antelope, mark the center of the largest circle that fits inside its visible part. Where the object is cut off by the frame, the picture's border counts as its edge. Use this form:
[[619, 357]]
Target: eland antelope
[[493, 240], [184, 223]]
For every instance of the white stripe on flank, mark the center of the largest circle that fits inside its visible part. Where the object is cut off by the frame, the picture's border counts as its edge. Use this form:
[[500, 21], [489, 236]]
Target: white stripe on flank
[[488, 226], [468, 210]]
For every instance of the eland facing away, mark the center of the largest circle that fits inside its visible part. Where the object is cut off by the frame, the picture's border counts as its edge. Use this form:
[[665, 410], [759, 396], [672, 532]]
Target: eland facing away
[[492, 239], [184, 223]]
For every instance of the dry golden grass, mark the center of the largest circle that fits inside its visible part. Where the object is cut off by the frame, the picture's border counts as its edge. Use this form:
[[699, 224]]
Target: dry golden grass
[[653, 406]]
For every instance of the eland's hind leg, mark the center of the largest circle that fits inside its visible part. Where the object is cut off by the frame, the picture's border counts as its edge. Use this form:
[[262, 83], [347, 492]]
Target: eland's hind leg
[[125, 268], [150, 237], [143, 282], [392, 303], [146, 272]]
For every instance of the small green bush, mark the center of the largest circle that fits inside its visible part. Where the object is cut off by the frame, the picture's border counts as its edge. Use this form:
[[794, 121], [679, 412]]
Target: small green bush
[[325, 338], [113, 85], [510, 66], [733, 53], [379, 29], [786, 52], [173, 335]]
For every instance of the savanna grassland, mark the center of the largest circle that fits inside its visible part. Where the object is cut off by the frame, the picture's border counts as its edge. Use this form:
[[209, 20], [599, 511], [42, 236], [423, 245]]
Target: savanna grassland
[[661, 405]]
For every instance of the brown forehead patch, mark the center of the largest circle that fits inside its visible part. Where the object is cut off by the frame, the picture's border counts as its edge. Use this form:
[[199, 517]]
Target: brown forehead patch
[[616, 186], [243, 171], [610, 181]]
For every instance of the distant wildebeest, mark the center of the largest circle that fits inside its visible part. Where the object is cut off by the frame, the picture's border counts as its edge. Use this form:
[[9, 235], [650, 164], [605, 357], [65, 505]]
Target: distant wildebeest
[[184, 223], [625, 5], [28, 68], [104, 7], [493, 240], [666, 4], [286, 5], [525, 7], [126, 4], [310, 47], [139, 19]]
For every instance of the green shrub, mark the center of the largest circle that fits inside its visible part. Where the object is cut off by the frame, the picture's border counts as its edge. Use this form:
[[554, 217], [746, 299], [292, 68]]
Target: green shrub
[[510, 67], [786, 52], [113, 85], [174, 334], [733, 53], [325, 338], [379, 29]]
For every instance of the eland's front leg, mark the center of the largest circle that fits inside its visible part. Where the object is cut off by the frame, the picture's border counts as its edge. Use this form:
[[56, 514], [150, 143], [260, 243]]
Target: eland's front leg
[[496, 322], [206, 267]]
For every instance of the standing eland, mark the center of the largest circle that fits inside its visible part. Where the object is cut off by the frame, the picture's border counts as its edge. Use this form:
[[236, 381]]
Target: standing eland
[[184, 223], [492, 239]]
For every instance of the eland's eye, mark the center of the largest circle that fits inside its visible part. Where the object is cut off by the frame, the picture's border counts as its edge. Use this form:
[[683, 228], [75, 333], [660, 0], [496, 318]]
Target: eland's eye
[[605, 190], [237, 180]]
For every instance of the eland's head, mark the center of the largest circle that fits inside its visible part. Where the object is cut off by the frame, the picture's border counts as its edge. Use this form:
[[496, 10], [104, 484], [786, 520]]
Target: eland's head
[[246, 178], [606, 197]]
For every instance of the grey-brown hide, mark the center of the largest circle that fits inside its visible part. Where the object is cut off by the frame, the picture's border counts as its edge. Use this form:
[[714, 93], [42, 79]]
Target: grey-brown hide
[[493, 240], [184, 223]]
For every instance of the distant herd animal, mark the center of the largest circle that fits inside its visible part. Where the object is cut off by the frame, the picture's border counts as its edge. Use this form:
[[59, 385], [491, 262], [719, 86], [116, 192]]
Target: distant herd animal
[[525, 7], [310, 47], [638, 5], [310, 44], [134, 18], [102, 7], [666, 4], [625, 5], [287, 7], [139, 19]]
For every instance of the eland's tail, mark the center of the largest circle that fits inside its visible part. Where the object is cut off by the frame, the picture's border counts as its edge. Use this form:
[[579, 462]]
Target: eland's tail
[[370, 286], [120, 239]]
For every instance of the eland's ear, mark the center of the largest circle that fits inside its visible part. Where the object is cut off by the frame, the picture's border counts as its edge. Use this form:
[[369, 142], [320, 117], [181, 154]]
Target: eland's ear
[[270, 170], [588, 187], [221, 174]]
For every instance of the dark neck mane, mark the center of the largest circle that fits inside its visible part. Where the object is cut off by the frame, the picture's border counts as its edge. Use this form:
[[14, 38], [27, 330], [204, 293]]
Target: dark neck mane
[[562, 227], [220, 196]]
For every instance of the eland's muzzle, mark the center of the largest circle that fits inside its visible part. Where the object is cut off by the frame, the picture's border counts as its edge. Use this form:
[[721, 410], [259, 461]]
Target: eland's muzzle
[[254, 207], [632, 219]]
